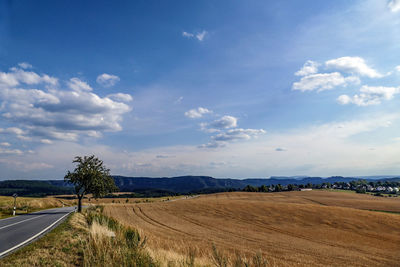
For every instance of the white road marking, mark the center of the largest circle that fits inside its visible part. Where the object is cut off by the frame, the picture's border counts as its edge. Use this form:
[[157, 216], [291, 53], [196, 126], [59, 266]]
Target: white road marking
[[33, 237], [21, 221]]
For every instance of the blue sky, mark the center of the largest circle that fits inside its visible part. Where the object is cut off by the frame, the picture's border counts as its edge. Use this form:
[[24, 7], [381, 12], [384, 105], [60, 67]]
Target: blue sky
[[221, 88]]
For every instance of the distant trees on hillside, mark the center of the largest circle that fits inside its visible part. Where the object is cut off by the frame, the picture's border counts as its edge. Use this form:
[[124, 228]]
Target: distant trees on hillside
[[361, 186]]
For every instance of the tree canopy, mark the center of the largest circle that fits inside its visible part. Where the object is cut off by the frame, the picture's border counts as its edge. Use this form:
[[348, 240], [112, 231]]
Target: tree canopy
[[90, 176]]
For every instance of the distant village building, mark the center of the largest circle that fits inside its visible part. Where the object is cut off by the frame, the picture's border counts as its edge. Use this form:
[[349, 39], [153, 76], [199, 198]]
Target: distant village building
[[305, 189]]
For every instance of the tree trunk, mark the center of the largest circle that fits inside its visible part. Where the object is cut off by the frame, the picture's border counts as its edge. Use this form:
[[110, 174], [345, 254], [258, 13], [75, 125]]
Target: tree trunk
[[80, 203]]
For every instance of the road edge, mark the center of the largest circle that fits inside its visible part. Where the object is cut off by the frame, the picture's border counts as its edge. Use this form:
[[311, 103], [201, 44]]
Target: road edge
[[27, 241]]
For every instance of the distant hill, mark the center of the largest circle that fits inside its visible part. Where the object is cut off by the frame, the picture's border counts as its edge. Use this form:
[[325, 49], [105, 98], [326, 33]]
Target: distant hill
[[187, 184], [174, 185], [32, 188]]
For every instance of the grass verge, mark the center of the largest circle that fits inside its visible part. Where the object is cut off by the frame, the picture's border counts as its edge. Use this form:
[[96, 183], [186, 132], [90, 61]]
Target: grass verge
[[61, 247]]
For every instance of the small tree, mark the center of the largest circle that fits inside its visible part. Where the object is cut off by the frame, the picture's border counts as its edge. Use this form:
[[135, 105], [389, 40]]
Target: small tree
[[90, 176]]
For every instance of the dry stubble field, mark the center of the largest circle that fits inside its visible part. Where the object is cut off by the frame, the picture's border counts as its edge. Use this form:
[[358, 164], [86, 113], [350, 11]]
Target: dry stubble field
[[317, 228]]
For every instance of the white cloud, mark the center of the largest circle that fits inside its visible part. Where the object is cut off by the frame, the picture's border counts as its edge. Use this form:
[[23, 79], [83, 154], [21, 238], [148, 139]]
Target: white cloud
[[224, 122], [280, 149], [398, 68], [344, 99], [10, 151], [19, 76], [25, 65], [369, 95], [320, 150], [394, 5], [121, 97], [199, 35], [5, 144], [310, 67], [354, 65], [197, 113], [46, 141], [107, 80], [187, 34], [226, 130], [52, 113], [238, 134], [213, 145], [78, 85], [323, 81]]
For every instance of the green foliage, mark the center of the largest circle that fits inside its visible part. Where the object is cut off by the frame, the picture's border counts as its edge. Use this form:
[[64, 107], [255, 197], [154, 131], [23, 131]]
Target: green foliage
[[90, 176], [361, 190]]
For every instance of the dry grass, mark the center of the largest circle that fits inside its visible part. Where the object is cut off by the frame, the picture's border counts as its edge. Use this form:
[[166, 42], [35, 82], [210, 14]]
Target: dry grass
[[316, 228], [30, 204], [111, 244]]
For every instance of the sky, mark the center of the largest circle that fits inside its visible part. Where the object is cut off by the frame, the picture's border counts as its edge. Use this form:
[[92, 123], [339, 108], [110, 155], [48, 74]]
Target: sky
[[220, 88]]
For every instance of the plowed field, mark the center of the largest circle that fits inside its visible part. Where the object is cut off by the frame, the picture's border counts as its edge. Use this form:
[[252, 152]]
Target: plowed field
[[316, 228]]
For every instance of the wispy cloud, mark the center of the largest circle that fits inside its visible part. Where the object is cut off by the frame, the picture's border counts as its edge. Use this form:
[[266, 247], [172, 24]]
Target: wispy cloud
[[107, 80], [25, 65], [323, 81], [197, 35]]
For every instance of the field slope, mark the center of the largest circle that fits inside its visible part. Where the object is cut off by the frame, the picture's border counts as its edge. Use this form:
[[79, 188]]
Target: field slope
[[317, 228]]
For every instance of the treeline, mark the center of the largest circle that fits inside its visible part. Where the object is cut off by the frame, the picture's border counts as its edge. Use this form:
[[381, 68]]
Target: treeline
[[276, 188], [32, 188], [391, 186]]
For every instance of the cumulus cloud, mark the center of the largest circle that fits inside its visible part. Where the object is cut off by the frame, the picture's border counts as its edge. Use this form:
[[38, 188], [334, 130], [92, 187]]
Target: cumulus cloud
[[369, 95], [199, 35], [17, 76], [224, 123], [107, 80], [354, 65], [53, 113], [226, 130], [323, 81], [310, 67], [197, 112], [394, 5], [78, 85]]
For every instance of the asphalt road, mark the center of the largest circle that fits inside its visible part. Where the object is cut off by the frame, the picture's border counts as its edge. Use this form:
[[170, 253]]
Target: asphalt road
[[20, 230]]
